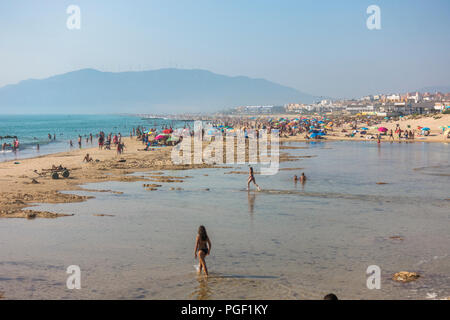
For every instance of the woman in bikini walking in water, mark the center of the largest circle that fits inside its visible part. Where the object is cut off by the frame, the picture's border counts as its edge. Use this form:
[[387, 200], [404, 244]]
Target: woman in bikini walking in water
[[251, 178], [202, 248]]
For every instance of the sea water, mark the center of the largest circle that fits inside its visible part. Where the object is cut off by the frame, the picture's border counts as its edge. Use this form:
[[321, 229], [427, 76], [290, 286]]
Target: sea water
[[32, 130], [289, 241]]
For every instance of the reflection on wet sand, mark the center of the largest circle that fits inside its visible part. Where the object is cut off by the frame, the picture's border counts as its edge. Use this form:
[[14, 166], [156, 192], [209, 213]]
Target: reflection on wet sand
[[212, 285], [251, 202], [203, 291]]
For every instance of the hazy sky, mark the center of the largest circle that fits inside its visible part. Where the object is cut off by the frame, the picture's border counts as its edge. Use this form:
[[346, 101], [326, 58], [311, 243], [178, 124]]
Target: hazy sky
[[322, 47]]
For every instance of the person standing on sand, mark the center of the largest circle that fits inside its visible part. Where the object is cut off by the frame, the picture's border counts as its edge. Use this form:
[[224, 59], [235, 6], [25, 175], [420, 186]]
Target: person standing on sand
[[251, 178], [120, 147], [101, 141], [202, 249]]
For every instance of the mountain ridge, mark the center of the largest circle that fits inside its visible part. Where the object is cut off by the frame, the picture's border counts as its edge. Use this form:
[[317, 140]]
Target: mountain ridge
[[167, 90]]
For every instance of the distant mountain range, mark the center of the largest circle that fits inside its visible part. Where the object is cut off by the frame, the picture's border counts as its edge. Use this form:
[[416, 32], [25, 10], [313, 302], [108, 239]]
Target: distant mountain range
[[156, 91]]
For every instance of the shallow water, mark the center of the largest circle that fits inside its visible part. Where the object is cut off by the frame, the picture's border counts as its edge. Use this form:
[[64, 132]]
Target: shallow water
[[289, 241]]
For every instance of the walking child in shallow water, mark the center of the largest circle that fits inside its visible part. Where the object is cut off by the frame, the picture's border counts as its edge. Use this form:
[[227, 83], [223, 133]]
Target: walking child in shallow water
[[202, 249], [251, 178]]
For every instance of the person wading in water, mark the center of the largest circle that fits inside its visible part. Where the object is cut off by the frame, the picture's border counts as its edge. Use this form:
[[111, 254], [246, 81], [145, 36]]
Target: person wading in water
[[202, 249]]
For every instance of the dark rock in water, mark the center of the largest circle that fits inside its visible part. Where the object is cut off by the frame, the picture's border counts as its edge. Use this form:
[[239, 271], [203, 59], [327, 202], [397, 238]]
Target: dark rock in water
[[31, 215], [396, 238], [405, 276], [381, 182]]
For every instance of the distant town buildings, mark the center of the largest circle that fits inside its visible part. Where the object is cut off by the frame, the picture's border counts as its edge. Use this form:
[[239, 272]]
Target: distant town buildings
[[392, 104]]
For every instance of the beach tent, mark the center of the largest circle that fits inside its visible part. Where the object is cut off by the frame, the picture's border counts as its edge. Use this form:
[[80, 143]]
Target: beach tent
[[313, 135]]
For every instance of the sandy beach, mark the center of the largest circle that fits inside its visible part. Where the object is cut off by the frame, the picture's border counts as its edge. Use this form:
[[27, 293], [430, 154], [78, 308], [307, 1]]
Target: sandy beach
[[20, 186], [434, 123], [128, 221]]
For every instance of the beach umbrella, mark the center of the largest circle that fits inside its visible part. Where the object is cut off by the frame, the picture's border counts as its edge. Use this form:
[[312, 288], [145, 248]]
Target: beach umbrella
[[161, 136], [167, 131], [382, 129], [425, 129], [313, 135], [364, 128]]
